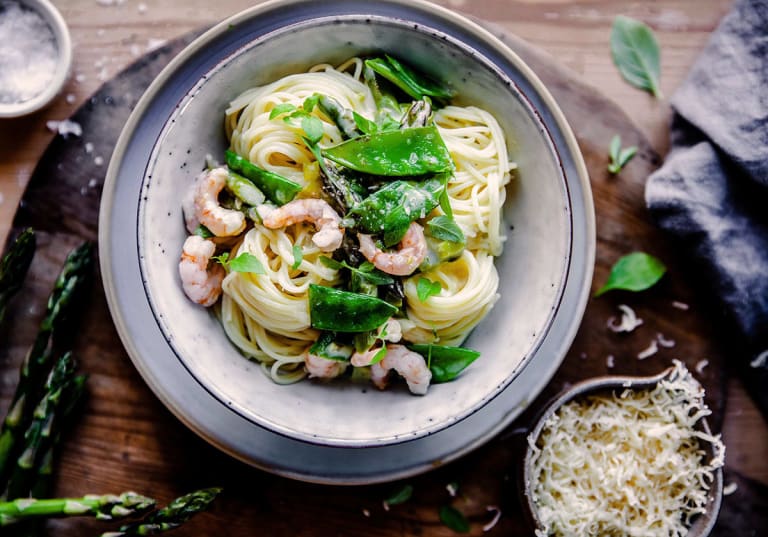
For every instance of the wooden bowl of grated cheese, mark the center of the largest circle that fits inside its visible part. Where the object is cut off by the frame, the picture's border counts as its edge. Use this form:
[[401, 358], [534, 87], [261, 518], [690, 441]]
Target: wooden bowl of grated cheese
[[617, 456]]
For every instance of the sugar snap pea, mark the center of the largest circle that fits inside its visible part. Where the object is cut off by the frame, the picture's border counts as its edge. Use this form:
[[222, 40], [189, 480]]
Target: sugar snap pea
[[344, 311], [275, 187], [445, 362], [410, 81]]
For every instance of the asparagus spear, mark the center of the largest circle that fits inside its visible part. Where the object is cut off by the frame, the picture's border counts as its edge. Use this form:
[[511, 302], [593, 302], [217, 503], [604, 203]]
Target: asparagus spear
[[107, 507], [61, 386], [66, 293], [170, 517], [14, 267]]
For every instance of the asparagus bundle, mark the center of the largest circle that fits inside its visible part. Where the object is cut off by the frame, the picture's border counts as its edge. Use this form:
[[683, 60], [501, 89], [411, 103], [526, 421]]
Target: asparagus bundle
[[14, 267], [106, 507], [67, 292]]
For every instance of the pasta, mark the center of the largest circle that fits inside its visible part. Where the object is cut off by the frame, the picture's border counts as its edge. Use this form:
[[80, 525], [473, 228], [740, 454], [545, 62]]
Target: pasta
[[430, 259]]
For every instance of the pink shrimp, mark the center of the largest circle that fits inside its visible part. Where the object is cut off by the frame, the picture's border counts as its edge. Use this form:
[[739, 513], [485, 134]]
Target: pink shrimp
[[328, 223], [220, 221], [319, 367], [408, 364], [401, 262], [200, 283]]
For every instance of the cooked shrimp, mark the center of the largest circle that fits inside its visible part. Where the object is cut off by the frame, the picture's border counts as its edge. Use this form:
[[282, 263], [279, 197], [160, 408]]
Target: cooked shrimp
[[409, 365], [220, 221], [201, 284], [328, 223], [401, 262], [320, 367], [389, 331]]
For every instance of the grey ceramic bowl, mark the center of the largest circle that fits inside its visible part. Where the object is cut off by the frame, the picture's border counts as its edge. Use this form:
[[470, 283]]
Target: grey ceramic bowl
[[545, 270], [702, 525]]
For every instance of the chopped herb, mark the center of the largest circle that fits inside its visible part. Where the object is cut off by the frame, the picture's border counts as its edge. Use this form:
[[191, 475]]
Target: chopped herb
[[445, 228], [313, 128], [311, 102], [366, 126], [426, 288], [619, 156], [298, 256], [244, 262], [401, 495], [454, 519], [634, 272], [281, 109], [366, 271], [636, 54]]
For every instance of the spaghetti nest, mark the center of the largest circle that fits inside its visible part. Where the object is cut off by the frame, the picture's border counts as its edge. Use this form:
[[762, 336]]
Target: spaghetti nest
[[284, 128]]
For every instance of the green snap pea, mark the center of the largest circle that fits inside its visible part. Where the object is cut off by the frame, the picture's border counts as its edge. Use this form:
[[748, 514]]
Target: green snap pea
[[445, 362], [344, 311], [244, 189], [394, 153], [410, 81], [275, 187]]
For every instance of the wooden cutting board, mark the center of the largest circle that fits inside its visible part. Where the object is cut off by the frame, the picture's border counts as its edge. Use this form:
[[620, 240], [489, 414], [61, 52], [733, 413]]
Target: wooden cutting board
[[127, 440]]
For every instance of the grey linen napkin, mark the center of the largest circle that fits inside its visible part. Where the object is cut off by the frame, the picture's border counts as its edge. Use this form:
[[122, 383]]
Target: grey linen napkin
[[711, 193]]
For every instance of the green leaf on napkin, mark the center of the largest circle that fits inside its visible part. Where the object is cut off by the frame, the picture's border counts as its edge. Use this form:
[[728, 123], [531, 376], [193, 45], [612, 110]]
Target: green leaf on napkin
[[454, 519], [619, 156], [636, 54], [634, 272]]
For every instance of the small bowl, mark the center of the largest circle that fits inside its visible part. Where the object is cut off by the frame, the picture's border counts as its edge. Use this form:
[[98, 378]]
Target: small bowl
[[702, 524], [58, 26], [545, 271]]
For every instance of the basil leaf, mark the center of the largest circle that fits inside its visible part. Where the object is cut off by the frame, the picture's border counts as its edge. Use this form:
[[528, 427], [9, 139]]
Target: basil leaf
[[454, 519], [446, 363], [446, 229], [281, 109], [298, 256], [366, 126], [313, 128], [400, 496], [330, 262], [343, 311], [204, 232], [426, 288], [619, 156], [634, 272], [366, 271], [246, 262], [636, 54], [311, 102]]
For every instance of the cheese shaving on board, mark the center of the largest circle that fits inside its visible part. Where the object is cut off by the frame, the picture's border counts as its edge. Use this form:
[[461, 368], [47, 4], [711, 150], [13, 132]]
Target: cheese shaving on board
[[630, 463]]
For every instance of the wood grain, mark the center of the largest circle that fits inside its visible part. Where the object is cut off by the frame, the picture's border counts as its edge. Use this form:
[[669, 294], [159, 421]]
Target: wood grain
[[127, 440]]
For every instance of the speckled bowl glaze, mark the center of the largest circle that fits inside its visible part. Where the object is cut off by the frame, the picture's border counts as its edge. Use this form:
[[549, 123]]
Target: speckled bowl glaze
[[51, 15], [702, 525], [181, 350]]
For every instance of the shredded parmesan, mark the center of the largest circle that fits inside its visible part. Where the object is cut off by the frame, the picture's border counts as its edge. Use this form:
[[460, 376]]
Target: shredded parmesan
[[730, 488], [629, 320], [700, 365], [680, 305], [665, 341], [627, 464], [496, 516], [760, 360], [652, 349]]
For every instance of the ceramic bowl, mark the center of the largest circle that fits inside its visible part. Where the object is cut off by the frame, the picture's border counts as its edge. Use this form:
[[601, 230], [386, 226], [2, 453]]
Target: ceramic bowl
[[58, 26], [549, 215], [702, 524]]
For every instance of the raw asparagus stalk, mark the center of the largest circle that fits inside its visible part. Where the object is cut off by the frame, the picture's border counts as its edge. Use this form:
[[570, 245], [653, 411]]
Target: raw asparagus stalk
[[61, 386], [14, 267], [66, 293], [108, 507], [170, 517]]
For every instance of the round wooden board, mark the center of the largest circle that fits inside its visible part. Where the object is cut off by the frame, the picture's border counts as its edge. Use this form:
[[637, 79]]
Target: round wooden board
[[127, 440]]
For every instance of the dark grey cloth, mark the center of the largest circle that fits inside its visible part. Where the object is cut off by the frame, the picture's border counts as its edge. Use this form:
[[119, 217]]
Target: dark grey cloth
[[712, 190]]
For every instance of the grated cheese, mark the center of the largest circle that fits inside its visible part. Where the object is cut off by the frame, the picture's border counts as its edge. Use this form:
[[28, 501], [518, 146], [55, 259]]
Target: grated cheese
[[626, 464]]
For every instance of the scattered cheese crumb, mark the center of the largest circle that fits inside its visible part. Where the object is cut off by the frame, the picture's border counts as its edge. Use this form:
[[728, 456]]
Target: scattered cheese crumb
[[92, 183], [760, 360], [680, 305], [88, 148], [610, 361], [700, 365], [142, 7], [80, 77], [385, 505], [652, 349], [629, 320], [664, 341], [452, 489], [70, 98], [64, 127], [496, 516], [98, 160], [629, 463], [135, 50], [730, 488], [153, 43], [366, 513]]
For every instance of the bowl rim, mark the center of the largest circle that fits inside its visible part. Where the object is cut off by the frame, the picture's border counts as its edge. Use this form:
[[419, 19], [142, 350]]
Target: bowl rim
[[580, 176], [600, 384], [60, 30]]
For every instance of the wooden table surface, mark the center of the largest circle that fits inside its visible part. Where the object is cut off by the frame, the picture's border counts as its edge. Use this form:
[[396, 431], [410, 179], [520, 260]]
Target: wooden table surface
[[109, 35]]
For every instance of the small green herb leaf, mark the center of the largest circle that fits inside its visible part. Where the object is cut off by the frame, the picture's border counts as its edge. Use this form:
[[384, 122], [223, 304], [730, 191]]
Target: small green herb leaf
[[222, 259], [298, 256], [454, 519], [330, 262], [426, 288], [445, 228], [619, 157], [379, 356], [246, 262], [400, 496], [204, 232], [366, 126], [281, 109], [313, 128], [636, 53], [634, 272], [311, 102], [365, 271]]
